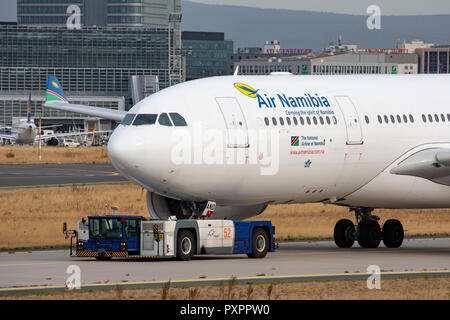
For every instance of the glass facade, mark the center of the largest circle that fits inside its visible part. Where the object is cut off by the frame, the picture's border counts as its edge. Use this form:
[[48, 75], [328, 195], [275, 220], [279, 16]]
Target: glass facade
[[434, 60], [138, 13], [92, 61], [209, 57]]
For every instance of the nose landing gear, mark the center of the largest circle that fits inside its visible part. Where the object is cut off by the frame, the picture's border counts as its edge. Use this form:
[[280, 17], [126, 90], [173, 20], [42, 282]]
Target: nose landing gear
[[368, 232]]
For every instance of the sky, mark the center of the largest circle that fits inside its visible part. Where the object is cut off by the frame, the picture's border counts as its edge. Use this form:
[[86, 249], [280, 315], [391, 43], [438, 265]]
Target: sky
[[356, 7]]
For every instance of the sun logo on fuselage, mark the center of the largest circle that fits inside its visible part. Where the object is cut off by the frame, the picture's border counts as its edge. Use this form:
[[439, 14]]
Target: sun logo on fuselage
[[247, 90], [55, 84]]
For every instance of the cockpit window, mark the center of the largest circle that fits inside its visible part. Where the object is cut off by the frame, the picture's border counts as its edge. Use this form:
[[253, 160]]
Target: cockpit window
[[164, 120], [145, 119], [128, 119], [178, 120]]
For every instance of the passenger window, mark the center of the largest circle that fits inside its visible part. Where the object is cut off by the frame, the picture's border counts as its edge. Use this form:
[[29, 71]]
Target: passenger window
[[436, 117], [315, 120], [328, 120], [274, 121], [295, 121], [321, 120], [411, 118], [145, 119], [380, 120], [405, 118], [334, 120], [288, 120], [399, 119], [424, 118], [308, 120], [430, 117], [392, 119], [442, 117], [448, 116], [266, 120], [302, 121], [178, 120], [367, 119], [164, 120], [281, 121], [128, 119], [386, 119]]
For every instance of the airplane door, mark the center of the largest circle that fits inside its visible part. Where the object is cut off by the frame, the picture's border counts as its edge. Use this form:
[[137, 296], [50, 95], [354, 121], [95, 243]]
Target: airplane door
[[235, 122], [352, 122]]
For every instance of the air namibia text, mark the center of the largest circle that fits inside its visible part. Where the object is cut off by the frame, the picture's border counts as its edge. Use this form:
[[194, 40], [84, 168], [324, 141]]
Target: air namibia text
[[281, 100]]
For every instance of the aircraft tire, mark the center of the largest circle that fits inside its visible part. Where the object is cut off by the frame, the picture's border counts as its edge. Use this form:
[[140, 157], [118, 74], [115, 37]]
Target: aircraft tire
[[369, 234], [260, 244], [185, 245], [393, 233], [344, 233]]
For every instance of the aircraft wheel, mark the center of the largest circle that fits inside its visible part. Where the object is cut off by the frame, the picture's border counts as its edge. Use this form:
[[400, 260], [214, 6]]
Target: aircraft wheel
[[344, 233], [369, 235], [185, 245], [260, 244], [393, 233]]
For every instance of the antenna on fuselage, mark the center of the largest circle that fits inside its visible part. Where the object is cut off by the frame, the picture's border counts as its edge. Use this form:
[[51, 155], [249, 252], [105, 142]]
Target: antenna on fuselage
[[236, 71]]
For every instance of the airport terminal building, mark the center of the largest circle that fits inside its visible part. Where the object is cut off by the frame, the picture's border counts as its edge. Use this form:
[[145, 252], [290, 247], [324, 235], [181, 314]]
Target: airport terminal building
[[332, 63], [121, 52], [95, 65]]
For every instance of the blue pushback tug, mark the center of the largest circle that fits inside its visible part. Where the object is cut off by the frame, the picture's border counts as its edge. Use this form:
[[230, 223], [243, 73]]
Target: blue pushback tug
[[108, 236]]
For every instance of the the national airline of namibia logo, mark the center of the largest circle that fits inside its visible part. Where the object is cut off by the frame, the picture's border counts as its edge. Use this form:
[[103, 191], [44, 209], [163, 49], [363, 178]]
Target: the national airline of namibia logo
[[247, 90], [55, 84]]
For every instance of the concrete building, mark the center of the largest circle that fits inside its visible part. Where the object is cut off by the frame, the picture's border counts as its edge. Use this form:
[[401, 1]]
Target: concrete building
[[341, 47], [332, 63], [208, 54], [431, 58], [434, 60], [412, 46], [271, 46], [270, 49]]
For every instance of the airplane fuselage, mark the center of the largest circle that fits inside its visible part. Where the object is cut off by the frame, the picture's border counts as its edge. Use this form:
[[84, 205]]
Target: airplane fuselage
[[24, 132], [290, 139]]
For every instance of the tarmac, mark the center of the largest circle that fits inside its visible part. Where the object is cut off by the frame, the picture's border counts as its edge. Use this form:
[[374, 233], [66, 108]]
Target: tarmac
[[55, 175], [25, 272]]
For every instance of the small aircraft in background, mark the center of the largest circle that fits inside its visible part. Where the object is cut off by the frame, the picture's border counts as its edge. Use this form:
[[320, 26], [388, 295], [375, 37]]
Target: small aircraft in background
[[25, 131]]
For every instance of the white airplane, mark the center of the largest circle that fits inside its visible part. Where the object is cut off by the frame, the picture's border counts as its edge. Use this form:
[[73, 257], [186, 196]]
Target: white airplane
[[23, 131], [244, 142]]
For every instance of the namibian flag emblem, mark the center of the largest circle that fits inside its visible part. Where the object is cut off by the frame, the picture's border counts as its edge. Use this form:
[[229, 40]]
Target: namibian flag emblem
[[295, 141]]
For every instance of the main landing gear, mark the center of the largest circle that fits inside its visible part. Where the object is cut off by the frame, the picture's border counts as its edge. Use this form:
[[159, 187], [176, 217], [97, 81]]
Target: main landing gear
[[368, 232]]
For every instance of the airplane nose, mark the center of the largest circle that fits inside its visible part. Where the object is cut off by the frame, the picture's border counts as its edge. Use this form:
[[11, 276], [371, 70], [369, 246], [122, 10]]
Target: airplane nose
[[123, 149]]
